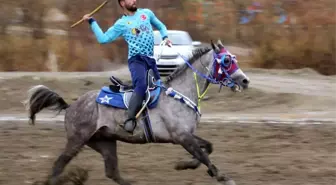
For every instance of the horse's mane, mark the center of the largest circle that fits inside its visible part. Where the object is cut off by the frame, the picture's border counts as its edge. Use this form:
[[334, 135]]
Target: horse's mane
[[196, 54]]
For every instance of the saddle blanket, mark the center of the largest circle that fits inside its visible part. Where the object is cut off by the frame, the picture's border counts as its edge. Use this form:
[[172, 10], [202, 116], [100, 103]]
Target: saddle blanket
[[121, 99]]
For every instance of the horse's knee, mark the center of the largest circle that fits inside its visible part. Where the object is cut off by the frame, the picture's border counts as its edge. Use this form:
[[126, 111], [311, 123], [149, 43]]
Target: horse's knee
[[60, 164], [205, 144]]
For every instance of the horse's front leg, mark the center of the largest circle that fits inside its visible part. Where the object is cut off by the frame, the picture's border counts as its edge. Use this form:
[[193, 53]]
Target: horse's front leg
[[189, 142], [194, 163]]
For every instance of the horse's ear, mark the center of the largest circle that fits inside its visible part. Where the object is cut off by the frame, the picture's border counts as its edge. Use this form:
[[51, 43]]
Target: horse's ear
[[215, 47], [212, 44], [219, 44]]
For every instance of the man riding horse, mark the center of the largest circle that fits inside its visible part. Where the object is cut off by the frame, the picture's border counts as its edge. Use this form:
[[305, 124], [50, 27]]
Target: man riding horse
[[136, 28]]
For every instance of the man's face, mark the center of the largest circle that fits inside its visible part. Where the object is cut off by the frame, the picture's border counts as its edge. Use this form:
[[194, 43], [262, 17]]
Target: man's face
[[130, 5]]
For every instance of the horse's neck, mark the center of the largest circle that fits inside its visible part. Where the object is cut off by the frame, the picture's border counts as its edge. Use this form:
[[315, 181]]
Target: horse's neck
[[186, 83]]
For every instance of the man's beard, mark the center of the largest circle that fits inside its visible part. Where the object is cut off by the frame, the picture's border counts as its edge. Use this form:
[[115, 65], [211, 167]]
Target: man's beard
[[131, 8]]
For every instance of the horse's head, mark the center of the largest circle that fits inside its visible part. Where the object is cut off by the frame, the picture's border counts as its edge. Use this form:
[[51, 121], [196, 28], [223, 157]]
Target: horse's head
[[226, 66]]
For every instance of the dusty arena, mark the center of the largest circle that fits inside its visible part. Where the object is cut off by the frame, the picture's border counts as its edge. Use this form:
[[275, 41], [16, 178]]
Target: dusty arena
[[281, 131]]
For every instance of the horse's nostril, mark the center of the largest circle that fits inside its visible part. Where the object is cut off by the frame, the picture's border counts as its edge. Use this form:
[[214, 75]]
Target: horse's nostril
[[245, 81]]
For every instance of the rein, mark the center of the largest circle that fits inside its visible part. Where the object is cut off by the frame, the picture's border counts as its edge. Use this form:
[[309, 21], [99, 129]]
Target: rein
[[199, 95], [224, 81], [227, 81]]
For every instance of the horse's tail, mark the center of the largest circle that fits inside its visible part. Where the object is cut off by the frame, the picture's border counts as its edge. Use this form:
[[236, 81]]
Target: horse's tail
[[40, 97]]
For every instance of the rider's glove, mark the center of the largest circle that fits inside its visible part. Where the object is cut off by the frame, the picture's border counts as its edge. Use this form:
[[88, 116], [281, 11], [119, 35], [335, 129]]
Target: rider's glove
[[167, 42]]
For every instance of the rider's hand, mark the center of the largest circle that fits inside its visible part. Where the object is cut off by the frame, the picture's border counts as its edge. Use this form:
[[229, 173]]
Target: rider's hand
[[168, 42], [86, 17]]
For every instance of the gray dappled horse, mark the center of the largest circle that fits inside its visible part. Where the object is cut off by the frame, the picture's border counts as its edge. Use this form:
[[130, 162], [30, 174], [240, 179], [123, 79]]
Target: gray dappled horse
[[174, 120]]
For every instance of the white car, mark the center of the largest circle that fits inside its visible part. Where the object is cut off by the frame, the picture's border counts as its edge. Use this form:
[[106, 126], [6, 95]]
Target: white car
[[170, 59]]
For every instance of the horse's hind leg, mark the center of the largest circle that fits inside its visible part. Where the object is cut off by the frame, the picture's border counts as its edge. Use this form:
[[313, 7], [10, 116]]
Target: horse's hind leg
[[189, 142], [72, 148], [108, 149], [194, 163]]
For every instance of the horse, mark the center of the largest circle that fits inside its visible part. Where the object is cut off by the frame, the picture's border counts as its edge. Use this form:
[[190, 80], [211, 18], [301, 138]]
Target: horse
[[174, 116]]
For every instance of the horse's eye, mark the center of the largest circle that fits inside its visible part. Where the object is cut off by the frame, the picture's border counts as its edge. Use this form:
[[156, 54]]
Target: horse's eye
[[227, 60]]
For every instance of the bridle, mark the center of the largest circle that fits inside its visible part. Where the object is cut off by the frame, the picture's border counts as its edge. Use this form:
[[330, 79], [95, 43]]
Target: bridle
[[218, 75]]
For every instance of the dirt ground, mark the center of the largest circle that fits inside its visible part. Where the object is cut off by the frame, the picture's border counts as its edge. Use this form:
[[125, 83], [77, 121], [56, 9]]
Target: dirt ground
[[253, 154]]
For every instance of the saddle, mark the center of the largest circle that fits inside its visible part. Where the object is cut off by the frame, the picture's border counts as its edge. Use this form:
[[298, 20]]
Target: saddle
[[118, 94], [119, 86]]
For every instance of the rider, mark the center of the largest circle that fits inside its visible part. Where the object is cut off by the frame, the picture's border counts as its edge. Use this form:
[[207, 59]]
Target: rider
[[136, 28]]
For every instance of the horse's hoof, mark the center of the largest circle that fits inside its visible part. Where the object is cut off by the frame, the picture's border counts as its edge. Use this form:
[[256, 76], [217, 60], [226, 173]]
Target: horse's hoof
[[180, 166], [225, 180], [184, 165], [229, 182], [211, 173]]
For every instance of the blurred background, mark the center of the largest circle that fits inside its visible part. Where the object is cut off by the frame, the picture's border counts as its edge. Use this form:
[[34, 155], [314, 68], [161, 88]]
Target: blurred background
[[36, 34]]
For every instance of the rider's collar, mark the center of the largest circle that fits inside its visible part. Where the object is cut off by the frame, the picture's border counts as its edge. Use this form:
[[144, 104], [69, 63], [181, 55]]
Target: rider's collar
[[131, 15]]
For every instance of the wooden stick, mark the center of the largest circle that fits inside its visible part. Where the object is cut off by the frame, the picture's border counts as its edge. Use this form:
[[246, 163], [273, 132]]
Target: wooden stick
[[139, 113], [93, 12]]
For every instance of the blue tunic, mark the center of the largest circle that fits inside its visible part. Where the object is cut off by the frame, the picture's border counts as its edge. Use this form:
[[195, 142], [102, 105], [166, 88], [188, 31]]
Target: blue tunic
[[136, 29]]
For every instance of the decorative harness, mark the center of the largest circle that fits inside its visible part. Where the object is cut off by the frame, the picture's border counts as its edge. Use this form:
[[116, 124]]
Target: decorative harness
[[219, 75]]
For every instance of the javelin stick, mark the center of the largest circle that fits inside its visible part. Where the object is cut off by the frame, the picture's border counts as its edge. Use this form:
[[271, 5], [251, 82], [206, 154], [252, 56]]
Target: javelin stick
[[93, 12], [142, 109]]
